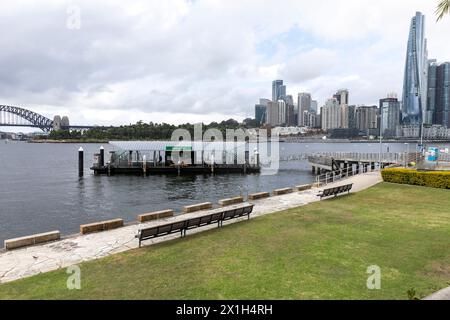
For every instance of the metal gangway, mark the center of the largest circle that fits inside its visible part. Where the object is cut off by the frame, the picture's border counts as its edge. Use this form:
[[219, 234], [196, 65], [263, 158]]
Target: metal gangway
[[391, 158]]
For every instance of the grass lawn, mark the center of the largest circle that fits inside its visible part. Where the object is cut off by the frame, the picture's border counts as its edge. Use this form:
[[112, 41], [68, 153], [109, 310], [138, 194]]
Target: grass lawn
[[320, 251]]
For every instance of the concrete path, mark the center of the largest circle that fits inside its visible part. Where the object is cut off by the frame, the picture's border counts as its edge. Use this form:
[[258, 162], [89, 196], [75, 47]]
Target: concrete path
[[33, 260], [444, 294]]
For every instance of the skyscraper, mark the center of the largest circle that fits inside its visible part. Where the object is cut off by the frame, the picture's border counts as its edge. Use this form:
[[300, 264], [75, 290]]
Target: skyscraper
[[304, 104], [442, 103], [261, 111], [277, 90], [431, 94], [416, 70]]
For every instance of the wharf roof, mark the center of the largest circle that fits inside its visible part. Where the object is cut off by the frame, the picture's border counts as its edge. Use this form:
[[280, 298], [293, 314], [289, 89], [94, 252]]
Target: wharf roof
[[163, 145]]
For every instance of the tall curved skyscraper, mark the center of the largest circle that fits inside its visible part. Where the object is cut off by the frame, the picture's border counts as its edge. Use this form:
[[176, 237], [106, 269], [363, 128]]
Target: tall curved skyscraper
[[416, 73]]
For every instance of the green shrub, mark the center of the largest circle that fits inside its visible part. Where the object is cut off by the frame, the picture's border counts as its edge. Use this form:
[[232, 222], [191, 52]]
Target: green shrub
[[433, 179]]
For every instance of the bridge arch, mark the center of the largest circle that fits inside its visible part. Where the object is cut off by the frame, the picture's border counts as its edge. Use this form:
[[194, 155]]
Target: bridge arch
[[34, 118]]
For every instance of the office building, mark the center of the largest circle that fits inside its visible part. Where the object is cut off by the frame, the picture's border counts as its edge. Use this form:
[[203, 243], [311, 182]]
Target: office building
[[261, 111], [430, 116], [314, 106], [442, 99], [278, 90]]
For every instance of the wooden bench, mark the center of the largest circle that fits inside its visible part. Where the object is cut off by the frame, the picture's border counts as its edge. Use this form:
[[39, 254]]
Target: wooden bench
[[335, 191], [193, 223]]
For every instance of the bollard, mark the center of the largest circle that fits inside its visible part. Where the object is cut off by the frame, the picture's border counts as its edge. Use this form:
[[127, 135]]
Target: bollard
[[101, 160], [144, 164], [80, 162]]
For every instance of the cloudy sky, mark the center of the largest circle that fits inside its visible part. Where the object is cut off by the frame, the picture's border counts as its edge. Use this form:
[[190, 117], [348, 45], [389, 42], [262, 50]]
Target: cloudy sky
[[205, 60]]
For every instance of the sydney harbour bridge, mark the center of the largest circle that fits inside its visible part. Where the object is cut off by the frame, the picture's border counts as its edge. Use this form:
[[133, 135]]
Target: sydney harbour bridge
[[11, 116]]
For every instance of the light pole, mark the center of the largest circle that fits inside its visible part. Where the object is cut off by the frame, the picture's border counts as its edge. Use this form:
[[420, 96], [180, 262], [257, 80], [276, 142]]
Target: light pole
[[381, 133], [407, 153]]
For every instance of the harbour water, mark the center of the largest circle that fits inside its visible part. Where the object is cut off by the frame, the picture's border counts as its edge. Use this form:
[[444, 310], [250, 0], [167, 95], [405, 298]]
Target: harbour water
[[40, 190]]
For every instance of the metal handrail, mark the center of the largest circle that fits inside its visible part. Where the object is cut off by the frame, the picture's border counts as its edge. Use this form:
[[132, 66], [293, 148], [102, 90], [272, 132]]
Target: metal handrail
[[341, 174], [356, 156]]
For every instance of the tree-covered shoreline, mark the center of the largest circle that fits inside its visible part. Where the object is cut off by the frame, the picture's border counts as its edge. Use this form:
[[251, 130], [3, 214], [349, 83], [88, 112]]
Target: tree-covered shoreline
[[141, 131]]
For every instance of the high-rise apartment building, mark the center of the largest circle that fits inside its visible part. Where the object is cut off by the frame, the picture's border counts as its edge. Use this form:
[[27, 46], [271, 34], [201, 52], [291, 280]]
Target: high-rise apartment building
[[389, 115], [310, 119], [366, 118], [290, 111], [342, 96], [416, 73], [291, 121], [331, 115], [352, 117], [345, 116], [282, 112], [272, 114]]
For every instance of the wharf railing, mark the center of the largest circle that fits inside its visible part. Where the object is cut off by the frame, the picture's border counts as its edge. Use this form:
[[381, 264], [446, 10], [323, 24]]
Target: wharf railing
[[342, 174], [393, 158]]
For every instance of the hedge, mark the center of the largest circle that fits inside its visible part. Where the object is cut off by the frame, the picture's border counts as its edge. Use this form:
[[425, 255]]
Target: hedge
[[433, 179]]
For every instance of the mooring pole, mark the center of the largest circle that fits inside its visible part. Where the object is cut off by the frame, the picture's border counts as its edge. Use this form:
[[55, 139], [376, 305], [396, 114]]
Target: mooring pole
[[101, 161], [80, 162], [144, 164]]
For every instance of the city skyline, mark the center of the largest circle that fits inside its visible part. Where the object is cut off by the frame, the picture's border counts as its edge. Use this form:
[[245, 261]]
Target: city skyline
[[104, 73]]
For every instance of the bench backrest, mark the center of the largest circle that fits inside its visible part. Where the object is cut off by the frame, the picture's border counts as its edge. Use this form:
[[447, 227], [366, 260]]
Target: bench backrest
[[163, 229], [248, 209], [337, 190]]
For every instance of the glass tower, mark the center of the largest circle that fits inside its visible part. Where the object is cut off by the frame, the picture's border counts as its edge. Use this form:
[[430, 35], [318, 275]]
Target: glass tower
[[278, 90], [416, 73], [442, 102]]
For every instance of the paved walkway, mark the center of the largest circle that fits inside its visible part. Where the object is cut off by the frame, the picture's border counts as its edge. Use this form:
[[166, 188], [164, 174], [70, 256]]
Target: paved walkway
[[30, 261], [444, 294]]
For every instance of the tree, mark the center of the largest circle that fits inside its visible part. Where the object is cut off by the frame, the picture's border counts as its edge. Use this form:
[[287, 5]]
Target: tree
[[443, 8]]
